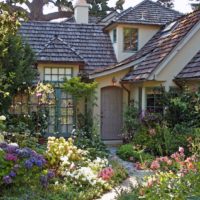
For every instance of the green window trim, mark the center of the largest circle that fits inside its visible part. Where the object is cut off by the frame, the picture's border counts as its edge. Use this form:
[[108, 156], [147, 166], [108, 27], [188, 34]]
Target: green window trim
[[114, 35], [130, 40]]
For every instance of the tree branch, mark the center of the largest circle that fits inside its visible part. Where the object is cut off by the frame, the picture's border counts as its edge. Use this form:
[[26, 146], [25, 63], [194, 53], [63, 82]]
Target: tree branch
[[13, 8], [57, 15]]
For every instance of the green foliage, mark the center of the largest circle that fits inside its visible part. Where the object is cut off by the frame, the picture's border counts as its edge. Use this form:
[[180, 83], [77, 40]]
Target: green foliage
[[182, 107], [79, 89], [120, 173], [160, 140], [17, 67], [131, 153], [131, 122], [82, 91], [91, 142]]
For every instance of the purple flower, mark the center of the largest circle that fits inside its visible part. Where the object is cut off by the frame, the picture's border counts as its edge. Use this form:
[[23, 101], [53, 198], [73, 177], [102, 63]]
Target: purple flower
[[7, 180], [11, 149], [39, 163], [28, 164], [11, 157], [3, 145], [12, 174], [50, 174], [24, 153], [44, 180]]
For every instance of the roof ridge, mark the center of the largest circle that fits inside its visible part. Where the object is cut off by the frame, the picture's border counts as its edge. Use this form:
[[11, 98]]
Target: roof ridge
[[123, 13], [56, 37], [164, 7]]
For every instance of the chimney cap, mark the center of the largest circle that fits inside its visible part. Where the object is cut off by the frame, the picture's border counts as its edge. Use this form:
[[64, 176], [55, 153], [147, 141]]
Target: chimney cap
[[81, 3]]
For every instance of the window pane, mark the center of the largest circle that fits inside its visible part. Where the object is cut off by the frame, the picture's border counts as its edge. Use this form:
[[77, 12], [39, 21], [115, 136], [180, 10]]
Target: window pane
[[61, 77], [114, 35], [54, 77], [54, 70], [47, 70], [47, 77], [130, 39], [68, 71], [61, 71], [68, 77]]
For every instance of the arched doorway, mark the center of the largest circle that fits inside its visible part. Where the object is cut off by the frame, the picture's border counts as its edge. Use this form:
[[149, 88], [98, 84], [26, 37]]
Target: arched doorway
[[111, 113]]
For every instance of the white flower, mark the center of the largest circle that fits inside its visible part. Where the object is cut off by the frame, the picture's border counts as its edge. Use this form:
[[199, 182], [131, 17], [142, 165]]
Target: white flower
[[14, 144], [56, 183], [2, 118]]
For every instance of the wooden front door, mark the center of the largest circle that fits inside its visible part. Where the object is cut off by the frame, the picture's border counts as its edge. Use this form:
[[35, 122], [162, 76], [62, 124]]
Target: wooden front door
[[111, 113]]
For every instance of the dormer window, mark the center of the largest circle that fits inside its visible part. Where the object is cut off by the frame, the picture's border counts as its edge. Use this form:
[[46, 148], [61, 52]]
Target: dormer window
[[130, 39], [114, 36]]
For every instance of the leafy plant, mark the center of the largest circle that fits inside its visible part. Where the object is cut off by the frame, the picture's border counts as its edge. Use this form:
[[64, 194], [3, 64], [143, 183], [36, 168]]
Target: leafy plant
[[81, 90], [131, 122], [132, 153]]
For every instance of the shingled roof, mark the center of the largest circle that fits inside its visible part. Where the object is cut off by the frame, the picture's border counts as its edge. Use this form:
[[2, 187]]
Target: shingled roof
[[57, 50], [160, 46], [192, 69], [87, 40], [147, 12]]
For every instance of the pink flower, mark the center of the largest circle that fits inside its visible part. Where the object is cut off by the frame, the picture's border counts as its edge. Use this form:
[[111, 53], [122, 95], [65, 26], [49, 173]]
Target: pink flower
[[150, 182], [169, 162], [164, 159], [106, 173], [155, 165], [39, 94], [11, 157], [181, 150]]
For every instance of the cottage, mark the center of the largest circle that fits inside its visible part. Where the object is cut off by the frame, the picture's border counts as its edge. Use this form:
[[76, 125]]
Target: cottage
[[127, 53]]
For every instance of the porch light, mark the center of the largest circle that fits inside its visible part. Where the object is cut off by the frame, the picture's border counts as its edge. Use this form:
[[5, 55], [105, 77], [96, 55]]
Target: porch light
[[114, 81]]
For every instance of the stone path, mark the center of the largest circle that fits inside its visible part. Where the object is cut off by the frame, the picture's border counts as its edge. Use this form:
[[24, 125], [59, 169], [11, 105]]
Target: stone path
[[134, 176]]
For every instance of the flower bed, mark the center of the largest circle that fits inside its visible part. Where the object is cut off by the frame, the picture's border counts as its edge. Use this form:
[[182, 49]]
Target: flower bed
[[175, 177], [63, 171]]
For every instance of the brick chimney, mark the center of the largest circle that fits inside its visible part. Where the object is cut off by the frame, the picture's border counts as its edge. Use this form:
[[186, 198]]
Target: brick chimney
[[81, 12]]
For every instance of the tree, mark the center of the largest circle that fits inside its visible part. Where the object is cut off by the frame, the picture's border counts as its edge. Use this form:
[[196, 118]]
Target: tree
[[195, 4], [16, 58], [35, 8], [166, 3]]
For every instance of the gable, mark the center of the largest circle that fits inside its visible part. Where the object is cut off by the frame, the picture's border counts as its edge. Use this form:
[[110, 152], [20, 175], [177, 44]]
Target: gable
[[160, 47], [87, 40], [147, 12]]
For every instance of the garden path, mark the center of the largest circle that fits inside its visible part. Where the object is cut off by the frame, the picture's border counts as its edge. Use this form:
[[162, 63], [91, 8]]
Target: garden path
[[134, 176]]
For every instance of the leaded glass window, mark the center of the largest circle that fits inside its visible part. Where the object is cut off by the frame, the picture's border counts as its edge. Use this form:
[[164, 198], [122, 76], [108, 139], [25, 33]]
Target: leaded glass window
[[57, 74], [130, 39]]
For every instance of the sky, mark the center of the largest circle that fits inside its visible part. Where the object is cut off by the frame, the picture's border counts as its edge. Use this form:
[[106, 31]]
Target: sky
[[180, 5]]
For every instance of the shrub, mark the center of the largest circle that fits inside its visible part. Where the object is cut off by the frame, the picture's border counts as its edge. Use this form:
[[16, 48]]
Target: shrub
[[131, 122], [160, 141], [131, 153]]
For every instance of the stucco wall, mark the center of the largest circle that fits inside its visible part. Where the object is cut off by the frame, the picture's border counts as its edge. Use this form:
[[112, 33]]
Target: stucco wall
[[145, 33]]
